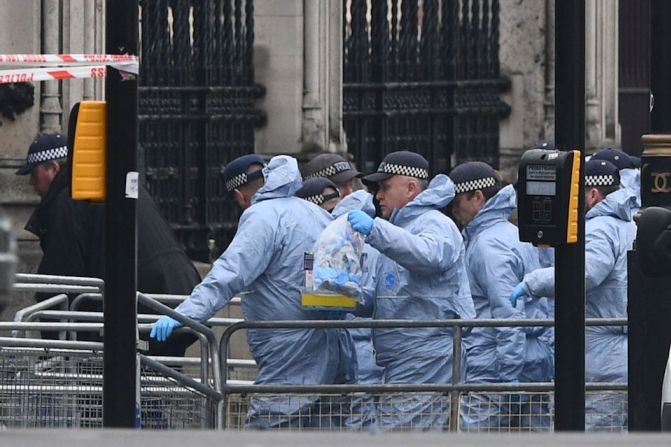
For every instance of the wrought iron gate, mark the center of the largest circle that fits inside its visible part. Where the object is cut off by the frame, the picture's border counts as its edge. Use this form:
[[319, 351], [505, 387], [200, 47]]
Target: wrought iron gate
[[196, 110], [423, 75]]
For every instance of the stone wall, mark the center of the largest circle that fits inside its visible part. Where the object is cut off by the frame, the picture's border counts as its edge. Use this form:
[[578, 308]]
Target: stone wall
[[527, 59], [526, 53], [278, 65]]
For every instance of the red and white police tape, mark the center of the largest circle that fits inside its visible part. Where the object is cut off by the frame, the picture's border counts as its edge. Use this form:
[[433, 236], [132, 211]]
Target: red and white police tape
[[64, 66]]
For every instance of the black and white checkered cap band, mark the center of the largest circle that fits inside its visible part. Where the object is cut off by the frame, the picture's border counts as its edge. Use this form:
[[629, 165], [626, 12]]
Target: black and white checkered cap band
[[599, 180], [318, 199], [242, 179], [474, 185], [328, 171], [410, 171], [50, 154]]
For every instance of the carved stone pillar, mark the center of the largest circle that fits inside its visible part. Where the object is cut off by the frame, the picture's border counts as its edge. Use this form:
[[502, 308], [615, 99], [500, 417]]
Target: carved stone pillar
[[83, 31], [298, 58], [322, 82], [50, 106], [525, 36], [278, 65], [601, 77]]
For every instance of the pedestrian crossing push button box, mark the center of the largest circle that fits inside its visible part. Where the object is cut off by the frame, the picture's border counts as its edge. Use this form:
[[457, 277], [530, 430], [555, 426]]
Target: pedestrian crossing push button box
[[548, 188]]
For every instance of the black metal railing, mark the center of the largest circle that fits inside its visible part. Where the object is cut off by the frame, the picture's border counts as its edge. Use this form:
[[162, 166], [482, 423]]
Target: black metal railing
[[196, 111], [424, 76]]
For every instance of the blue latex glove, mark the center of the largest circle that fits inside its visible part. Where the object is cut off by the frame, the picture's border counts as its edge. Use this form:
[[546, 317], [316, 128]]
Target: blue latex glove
[[360, 221], [163, 328], [518, 291]]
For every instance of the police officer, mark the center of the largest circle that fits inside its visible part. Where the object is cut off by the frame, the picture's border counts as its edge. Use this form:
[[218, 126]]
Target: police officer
[[264, 263], [496, 262], [320, 191], [630, 176], [420, 276], [335, 168], [609, 233]]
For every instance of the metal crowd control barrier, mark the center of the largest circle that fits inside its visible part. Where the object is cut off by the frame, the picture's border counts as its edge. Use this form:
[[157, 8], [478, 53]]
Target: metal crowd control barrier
[[336, 395], [58, 384], [161, 298], [72, 321], [56, 308], [212, 352], [37, 283], [159, 398]]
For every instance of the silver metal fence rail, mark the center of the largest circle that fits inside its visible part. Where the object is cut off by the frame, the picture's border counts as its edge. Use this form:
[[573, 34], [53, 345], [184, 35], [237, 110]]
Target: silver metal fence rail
[[28, 282], [453, 389], [196, 326], [161, 298], [52, 288], [6, 342], [49, 326], [98, 298], [31, 278], [58, 302]]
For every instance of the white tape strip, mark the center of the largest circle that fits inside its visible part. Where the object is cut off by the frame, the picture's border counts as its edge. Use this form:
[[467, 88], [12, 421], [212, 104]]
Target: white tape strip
[[56, 73], [65, 59], [50, 74], [75, 66]]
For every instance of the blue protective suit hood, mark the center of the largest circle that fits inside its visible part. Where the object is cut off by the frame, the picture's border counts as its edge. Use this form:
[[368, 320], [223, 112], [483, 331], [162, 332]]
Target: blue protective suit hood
[[282, 179], [437, 195], [496, 209], [618, 204], [630, 180], [358, 200]]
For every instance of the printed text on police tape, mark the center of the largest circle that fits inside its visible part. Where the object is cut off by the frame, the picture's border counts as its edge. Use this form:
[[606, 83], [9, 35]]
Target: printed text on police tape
[[48, 74]]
